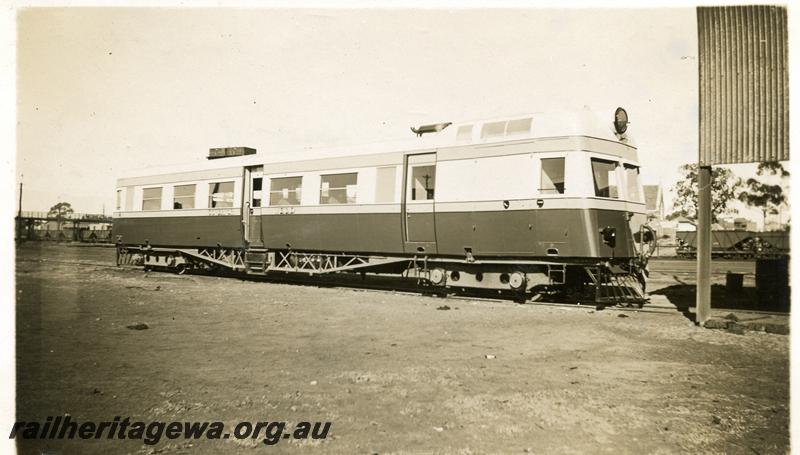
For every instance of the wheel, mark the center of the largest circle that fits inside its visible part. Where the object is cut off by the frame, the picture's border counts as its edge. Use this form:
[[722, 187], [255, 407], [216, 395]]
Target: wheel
[[517, 281], [438, 276]]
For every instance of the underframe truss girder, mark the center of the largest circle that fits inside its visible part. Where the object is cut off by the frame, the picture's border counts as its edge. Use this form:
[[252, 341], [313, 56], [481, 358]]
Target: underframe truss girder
[[318, 263], [226, 257], [612, 287]]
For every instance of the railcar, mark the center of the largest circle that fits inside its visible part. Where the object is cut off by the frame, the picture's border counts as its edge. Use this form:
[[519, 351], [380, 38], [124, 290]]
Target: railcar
[[531, 204]]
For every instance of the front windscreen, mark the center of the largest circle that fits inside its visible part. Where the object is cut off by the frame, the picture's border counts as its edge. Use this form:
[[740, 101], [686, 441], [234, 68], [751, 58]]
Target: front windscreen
[[633, 189], [605, 178]]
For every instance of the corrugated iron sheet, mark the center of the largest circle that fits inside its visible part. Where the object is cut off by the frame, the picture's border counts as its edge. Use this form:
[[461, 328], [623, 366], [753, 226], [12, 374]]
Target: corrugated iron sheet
[[744, 84]]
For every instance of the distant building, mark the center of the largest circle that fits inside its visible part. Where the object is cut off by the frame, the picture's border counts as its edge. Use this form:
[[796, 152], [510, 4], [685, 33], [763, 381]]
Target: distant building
[[654, 207]]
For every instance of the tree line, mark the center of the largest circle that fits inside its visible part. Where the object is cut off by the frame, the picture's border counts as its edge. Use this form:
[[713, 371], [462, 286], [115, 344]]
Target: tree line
[[726, 187]]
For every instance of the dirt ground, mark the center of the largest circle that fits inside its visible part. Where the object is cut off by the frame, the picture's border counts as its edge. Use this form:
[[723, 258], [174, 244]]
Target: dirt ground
[[393, 373]]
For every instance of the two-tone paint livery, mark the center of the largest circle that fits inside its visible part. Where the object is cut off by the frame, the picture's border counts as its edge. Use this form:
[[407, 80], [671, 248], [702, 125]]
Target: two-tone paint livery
[[525, 203]]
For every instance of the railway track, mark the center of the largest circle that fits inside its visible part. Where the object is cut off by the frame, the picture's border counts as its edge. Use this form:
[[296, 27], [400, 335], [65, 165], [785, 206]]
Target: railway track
[[104, 264], [694, 271], [377, 284], [58, 261], [408, 286]]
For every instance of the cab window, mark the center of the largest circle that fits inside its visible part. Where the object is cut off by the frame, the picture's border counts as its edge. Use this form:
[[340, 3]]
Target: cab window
[[605, 178], [552, 178], [634, 189]]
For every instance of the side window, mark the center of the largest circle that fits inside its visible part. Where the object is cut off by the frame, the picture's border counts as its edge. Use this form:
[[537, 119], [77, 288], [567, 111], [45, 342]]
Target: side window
[[494, 129], [220, 195], [151, 198], [184, 197], [464, 133], [522, 125], [634, 190], [385, 184], [605, 178], [119, 200], [423, 182], [285, 191], [338, 188], [552, 178]]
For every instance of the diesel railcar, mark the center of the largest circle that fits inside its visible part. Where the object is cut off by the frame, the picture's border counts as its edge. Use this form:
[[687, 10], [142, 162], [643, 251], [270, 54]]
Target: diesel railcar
[[530, 204]]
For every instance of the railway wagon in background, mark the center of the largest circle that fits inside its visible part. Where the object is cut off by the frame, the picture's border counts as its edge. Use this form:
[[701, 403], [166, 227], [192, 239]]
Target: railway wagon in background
[[736, 244], [529, 205]]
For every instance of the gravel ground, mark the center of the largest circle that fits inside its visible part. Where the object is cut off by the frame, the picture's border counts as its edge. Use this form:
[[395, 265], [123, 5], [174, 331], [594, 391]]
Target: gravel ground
[[393, 373]]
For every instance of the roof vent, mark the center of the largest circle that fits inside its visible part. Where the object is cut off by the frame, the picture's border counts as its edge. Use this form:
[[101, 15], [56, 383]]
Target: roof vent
[[225, 152], [435, 128]]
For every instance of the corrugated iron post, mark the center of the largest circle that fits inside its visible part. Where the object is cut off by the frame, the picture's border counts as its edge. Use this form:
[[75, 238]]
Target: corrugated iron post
[[703, 243]]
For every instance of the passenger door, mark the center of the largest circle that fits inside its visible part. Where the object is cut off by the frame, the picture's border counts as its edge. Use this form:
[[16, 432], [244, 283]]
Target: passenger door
[[418, 203], [251, 209]]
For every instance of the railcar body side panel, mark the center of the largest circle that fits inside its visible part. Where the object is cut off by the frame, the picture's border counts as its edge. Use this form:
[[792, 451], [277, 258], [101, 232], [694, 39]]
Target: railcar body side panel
[[532, 233], [187, 231], [355, 232], [516, 233], [624, 238]]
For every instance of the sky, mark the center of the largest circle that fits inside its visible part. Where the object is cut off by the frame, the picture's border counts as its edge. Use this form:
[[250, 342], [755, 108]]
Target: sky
[[102, 91]]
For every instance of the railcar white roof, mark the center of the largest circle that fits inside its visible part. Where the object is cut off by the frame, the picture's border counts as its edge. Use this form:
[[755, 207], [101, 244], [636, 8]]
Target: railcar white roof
[[591, 123]]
